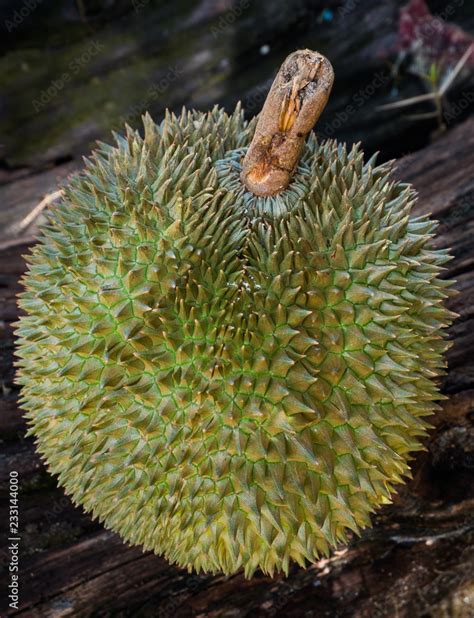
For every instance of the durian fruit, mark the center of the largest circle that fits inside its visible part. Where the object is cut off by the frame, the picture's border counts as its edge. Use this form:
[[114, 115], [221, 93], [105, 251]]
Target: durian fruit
[[231, 380]]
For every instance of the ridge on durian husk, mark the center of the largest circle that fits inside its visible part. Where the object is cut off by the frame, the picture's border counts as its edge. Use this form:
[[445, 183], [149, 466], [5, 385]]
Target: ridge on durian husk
[[231, 381]]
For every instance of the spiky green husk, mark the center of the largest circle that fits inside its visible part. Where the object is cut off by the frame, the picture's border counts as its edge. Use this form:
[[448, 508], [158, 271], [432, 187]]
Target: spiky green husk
[[228, 380]]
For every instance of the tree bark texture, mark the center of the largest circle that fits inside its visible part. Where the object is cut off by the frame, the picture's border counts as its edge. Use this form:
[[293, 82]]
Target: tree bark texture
[[71, 73]]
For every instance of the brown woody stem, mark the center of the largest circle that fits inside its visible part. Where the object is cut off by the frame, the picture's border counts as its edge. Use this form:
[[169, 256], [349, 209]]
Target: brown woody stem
[[296, 99]]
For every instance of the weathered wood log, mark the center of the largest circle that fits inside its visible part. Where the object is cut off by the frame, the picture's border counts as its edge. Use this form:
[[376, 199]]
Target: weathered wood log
[[69, 76], [417, 559]]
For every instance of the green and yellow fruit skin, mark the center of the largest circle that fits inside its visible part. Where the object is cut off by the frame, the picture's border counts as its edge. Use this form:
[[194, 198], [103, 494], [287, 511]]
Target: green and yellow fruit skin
[[231, 381]]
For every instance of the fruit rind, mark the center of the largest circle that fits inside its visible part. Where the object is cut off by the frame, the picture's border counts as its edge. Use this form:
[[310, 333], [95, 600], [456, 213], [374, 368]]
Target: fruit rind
[[228, 380]]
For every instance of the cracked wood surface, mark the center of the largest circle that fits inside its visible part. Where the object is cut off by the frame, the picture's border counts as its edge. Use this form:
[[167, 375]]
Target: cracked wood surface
[[70, 75]]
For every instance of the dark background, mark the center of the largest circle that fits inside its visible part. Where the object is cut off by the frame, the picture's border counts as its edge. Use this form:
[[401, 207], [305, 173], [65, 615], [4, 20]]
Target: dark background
[[73, 71]]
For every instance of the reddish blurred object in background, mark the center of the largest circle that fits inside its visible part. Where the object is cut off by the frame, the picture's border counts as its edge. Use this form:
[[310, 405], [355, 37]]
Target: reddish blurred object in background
[[431, 40]]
